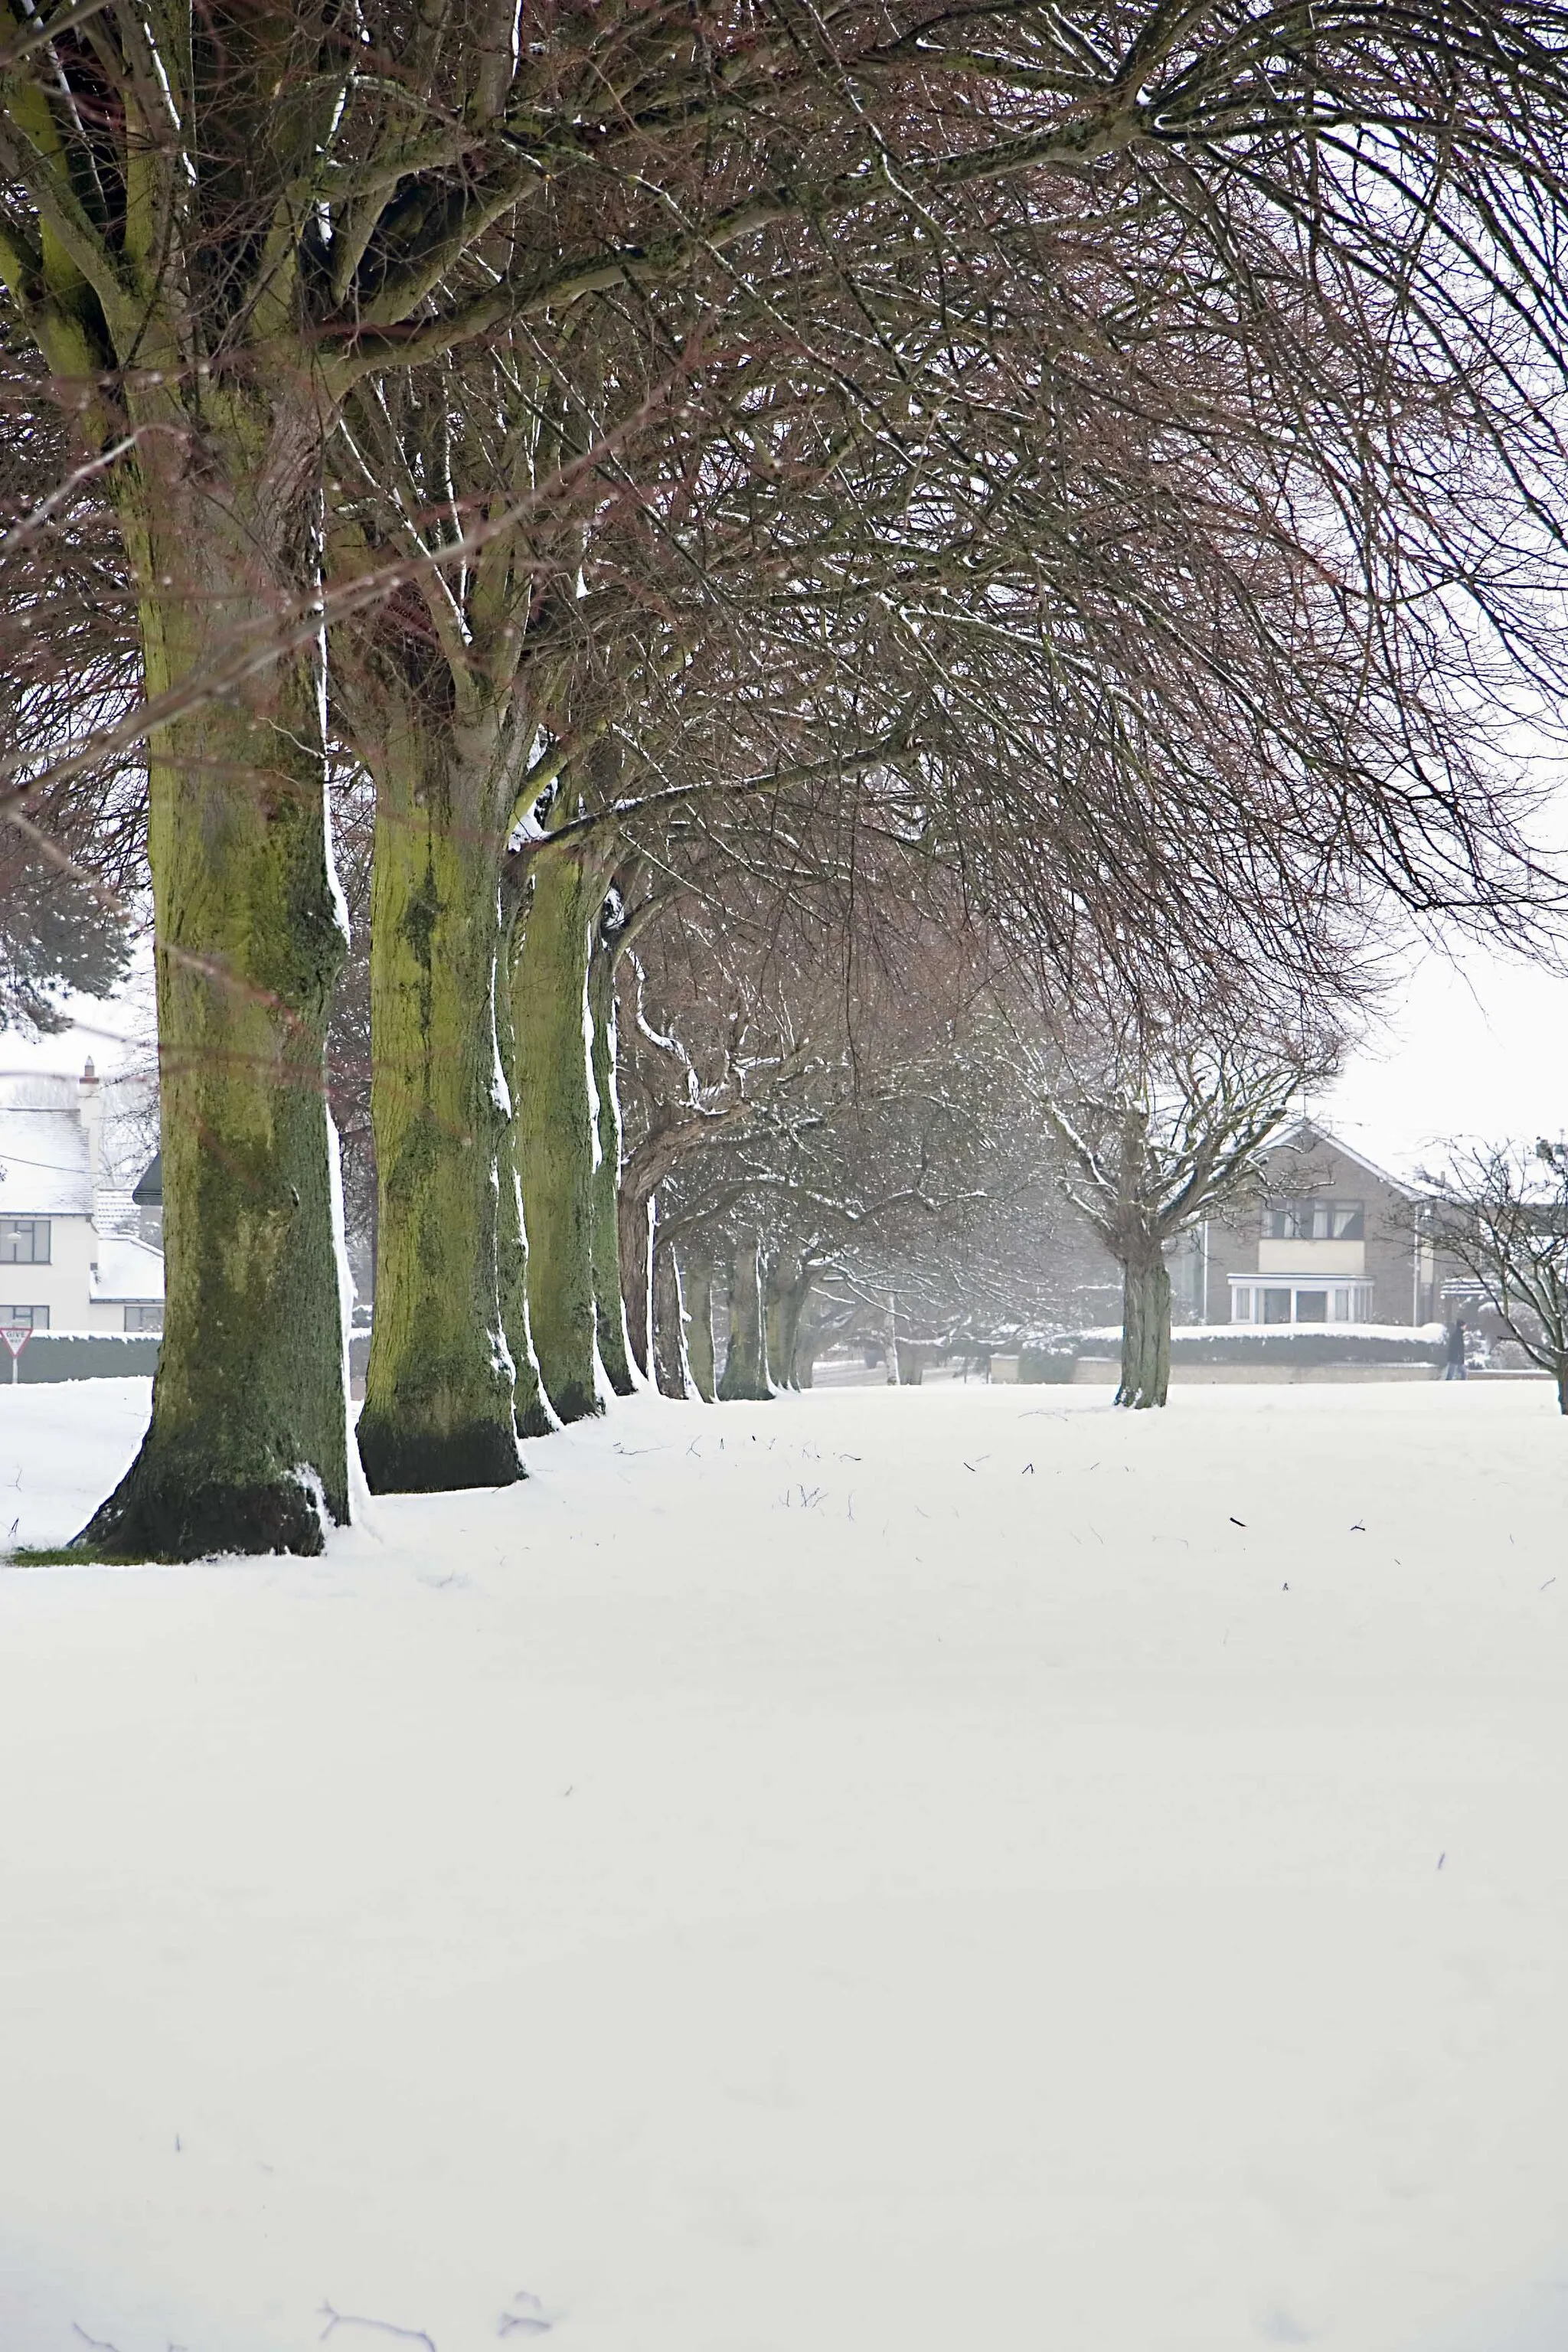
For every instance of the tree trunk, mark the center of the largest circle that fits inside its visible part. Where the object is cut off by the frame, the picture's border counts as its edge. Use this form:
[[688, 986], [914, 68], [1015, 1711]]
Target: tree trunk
[[439, 1391], [531, 1416], [895, 1375], [634, 1214], [610, 1312], [555, 1128], [247, 1446], [670, 1363], [788, 1288], [697, 1287], [1145, 1331], [746, 1370], [1562, 1384]]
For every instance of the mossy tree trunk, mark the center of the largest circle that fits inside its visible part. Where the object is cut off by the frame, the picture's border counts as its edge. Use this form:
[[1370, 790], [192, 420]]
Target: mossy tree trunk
[[248, 1446], [554, 1126], [531, 1415], [438, 1409], [670, 1363], [788, 1288], [696, 1285], [610, 1312], [746, 1376], [634, 1222], [1145, 1330]]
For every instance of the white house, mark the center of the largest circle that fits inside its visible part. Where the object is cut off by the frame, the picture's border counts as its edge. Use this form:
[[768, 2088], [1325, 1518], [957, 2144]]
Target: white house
[[69, 1257]]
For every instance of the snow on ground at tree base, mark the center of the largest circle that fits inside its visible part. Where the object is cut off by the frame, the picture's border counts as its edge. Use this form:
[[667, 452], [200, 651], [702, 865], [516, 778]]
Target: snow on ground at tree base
[[881, 1869]]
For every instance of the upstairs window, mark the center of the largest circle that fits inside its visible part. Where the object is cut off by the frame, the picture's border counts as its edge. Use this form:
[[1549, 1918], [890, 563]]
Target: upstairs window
[[24, 1241], [1314, 1221]]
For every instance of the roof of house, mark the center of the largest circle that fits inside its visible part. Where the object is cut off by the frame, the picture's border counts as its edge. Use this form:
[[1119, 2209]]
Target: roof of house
[[149, 1192], [126, 1270], [114, 1211], [44, 1166], [1309, 1131]]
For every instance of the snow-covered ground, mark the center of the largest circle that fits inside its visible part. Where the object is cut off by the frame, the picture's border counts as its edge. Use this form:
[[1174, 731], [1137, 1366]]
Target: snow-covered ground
[[873, 1872]]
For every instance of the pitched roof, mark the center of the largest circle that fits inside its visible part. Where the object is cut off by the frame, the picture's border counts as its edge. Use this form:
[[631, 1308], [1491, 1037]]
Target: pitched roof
[[44, 1166], [127, 1269], [1308, 1131]]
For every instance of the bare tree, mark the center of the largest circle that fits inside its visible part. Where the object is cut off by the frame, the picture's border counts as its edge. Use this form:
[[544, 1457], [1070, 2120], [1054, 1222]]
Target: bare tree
[[1157, 1134], [1501, 1212]]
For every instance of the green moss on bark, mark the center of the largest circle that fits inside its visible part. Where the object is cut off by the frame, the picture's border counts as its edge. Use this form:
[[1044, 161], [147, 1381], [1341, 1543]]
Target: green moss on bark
[[696, 1285], [1145, 1333], [439, 1410], [531, 1415], [248, 1446], [610, 1313], [554, 1128], [745, 1375]]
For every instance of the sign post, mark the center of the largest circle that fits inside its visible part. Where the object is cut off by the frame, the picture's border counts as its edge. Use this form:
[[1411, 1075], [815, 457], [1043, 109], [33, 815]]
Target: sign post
[[15, 1336]]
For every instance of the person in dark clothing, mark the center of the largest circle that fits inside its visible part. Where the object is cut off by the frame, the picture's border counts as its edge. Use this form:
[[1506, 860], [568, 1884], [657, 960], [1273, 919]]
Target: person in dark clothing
[[1454, 1369]]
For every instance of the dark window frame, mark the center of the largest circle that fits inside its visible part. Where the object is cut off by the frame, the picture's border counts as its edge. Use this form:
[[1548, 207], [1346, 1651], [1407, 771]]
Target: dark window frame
[[11, 1230], [1296, 1218]]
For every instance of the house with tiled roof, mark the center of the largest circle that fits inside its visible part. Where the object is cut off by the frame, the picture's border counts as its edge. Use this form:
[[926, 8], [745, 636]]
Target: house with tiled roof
[[1332, 1238], [70, 1255]]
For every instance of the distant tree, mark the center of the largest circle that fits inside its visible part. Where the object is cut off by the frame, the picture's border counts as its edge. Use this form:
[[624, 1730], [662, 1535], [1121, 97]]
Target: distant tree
[[1157, 1135], [55, 934], [1501, 1212]]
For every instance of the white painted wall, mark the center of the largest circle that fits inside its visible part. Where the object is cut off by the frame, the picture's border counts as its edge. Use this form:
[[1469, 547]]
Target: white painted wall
[[64, 1285]]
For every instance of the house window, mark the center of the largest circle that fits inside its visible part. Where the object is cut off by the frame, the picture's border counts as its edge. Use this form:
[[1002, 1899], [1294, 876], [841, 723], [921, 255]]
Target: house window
[[145, 1315], [1300, 1302], [1314, 1221], [25, 1318], [24, 1241]]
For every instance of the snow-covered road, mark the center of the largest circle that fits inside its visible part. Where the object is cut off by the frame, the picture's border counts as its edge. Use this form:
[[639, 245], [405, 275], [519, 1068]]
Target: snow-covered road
[[876, 1871]]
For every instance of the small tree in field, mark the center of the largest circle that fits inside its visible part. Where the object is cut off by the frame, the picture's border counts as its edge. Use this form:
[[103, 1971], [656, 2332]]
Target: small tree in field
[[1500, 1211], [1155, 1140]]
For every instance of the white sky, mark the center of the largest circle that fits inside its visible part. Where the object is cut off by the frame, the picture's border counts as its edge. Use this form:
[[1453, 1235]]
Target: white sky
[[1474, 1049]]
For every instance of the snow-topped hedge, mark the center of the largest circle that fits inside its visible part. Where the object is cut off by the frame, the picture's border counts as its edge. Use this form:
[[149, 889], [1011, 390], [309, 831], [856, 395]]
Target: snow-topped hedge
[[1294, 1343]]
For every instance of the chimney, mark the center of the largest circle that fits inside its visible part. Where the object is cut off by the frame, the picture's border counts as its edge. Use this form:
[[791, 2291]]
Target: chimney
[[90, 1110]]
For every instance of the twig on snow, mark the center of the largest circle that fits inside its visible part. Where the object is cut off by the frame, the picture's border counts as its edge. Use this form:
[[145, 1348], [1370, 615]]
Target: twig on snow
[[336, 2319]]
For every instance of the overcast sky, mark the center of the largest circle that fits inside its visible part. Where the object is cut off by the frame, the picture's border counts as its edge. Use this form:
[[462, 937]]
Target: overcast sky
[[1476, 1047]]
